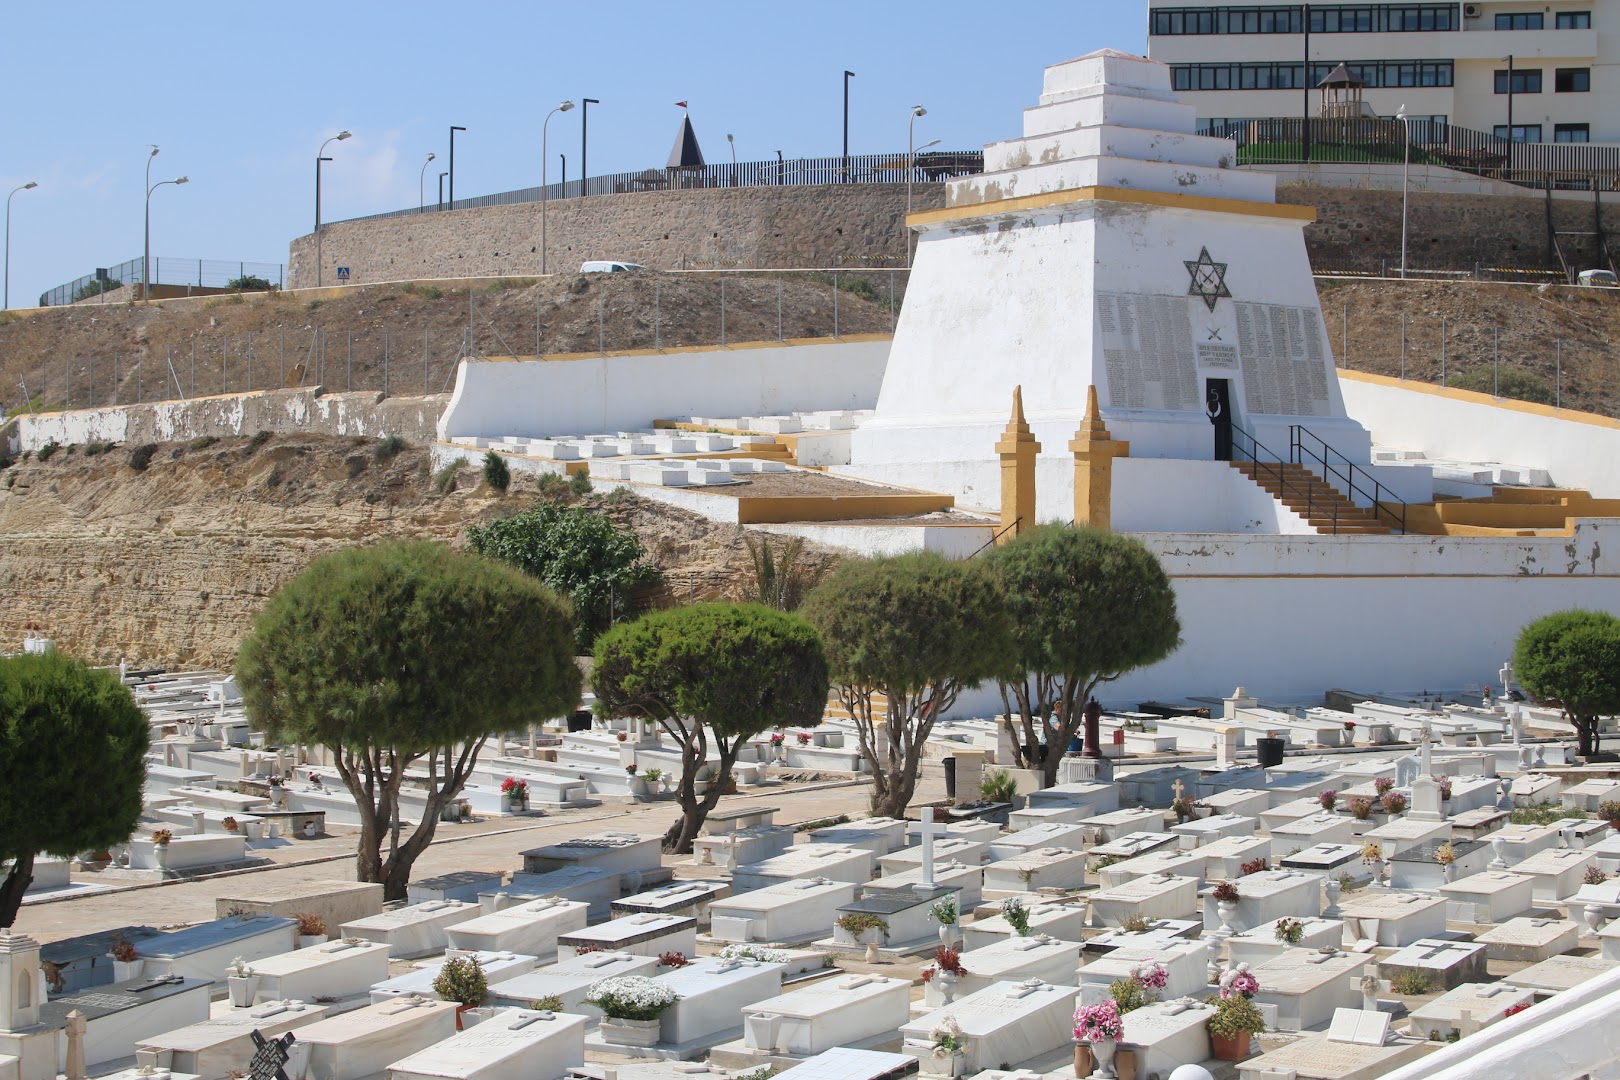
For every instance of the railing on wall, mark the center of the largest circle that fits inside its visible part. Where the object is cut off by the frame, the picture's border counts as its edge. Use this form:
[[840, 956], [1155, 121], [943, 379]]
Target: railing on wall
[[929, 167], [107, 283]]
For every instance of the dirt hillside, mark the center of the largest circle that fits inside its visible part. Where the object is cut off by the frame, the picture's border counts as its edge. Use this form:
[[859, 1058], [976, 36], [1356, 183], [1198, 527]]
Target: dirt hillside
[[169, 565]]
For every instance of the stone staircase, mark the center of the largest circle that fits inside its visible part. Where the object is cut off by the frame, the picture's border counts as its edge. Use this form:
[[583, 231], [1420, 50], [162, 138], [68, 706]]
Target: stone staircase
[[1322, 506]]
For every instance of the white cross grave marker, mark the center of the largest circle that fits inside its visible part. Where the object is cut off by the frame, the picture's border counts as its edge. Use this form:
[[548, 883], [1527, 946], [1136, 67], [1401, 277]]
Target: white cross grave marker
[[929, 830]]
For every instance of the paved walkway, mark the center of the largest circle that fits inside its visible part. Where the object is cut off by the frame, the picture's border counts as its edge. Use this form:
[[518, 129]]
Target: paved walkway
[[487, 845]]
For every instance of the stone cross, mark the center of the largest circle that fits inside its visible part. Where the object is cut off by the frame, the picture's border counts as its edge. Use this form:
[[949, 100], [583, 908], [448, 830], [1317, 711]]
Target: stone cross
[[1426, 765], [75, 1029], [929, 830], [1178, 787]]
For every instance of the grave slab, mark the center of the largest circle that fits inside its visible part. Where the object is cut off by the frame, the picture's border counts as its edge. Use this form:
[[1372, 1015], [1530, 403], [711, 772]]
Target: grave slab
[[415, 930], [1166, 860], [120, 1016], [714, 997], [206, 950], [1257, 945], [1136, 844], [837, 1012], [512, 1044], [1014, 959], [1048, 835], [968, 881], [1391, 918], [1095, 799], [1040, 868], [1161, 896], [1186, 964], [333, 971], [1481, 1003], [880, 836], [622, 852], [218, 1046], [1559, 973], [464, 885], [594, 887], [1105, 828], [844, 1063], [1307, 986], [1447, 964], [1556, 873], [646, 934], [1265, 897], [1489, 898], [570, 980], [835, 862], [1005, 1021], [788, 912], [905, 912], [363, 1043], [1224, 858], [498, 968], [690, 898], [1320, 1058], [1200, 831], [1531, 940], [1066, 922], [530, 929]]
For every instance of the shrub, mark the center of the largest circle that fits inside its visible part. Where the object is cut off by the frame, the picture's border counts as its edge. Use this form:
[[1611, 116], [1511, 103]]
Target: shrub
[[1508, 383], [1395, 802], [1594, 876], [310, 924], [388, 448], [258, 440], [1609, 810], [45, 452], [548, 483], [96, 449], [426, 292], [202, 442], [462, 980], [998, 786], [1546, 814], [1136, 924], [249, 283], [549, 1003], [445, 479], [123, 950], [580, 483], [1183, 807], [1226, 892], [631, 997], [1411, 983], [1016, 915], [857, 923], [1253, 866], [141, 456], [496, 474], [1129, 994], [1234, 1016], [1361, 808]]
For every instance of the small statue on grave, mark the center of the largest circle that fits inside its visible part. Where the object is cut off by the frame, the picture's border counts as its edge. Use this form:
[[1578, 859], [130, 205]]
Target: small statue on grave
[[1369, 992]]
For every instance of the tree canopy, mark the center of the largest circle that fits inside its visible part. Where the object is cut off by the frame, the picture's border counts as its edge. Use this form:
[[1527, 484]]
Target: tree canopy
[[905, 634], [579, 553], [401, 653], [740, 669], [1087, 606], [72, 749], [1573, 658]]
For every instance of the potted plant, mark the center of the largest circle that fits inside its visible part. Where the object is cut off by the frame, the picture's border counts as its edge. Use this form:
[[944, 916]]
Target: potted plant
[[804, 738], [1609, 811], [1289, 930], [1016, 915], [946, 913], [1327, 799], [1253, 866], [312, 929], [1097, 1028], [1226, 898], [1361, 808], [1383, 785], [516, 793], [462, 981], [865, 929], [160, 847], [242, 982], [950, 1045], [1235, 1021], [945, 972], [1395, 803], [1349, 733], [631, 1006], [1184, 807], [654, 777], [1445, 789], [778, 740], [126, 959]]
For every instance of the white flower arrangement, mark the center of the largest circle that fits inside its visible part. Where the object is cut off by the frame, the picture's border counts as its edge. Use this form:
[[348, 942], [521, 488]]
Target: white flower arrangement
[[631, 997], [753, 952]]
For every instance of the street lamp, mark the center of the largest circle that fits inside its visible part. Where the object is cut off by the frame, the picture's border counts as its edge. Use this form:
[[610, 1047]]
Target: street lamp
[[1406, 169], [6, 303], [911, 154], [453, 130], [146, 258], [144, 268], [421, 179], [844, 179], [320, 156], [780, 167], [731, 141], [564, 107], [584, 132], [441, 189]]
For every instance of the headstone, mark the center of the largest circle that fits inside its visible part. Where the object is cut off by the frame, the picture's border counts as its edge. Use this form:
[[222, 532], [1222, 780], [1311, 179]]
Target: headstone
[[73, 1030]]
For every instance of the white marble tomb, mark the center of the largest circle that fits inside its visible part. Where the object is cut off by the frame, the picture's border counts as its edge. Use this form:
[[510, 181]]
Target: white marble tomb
[[512, 1044]]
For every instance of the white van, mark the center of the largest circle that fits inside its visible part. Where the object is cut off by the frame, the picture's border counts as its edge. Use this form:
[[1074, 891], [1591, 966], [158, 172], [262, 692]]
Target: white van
[[608, 266], [1602, 279]]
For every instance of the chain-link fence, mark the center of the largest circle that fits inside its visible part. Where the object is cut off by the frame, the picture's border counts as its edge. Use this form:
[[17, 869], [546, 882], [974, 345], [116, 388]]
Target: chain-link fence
[[340, 345], [178, 274]]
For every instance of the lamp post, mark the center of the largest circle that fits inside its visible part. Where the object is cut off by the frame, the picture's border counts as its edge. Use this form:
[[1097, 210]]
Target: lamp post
[[453, 130], [564, 107], [144, 267], [1406, 169], [911, 154], [421, 179], [780, 167], [6, 303], [320, 156], [731, 141], [146, 258], [584, 135], [441, 189], [844, 177]]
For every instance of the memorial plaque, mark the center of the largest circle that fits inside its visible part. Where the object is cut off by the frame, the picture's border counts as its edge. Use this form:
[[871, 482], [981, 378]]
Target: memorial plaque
[[1284, 360], [1147, 344], [269, 1057]]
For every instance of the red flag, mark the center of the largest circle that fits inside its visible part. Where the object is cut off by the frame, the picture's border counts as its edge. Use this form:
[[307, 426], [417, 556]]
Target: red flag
[[682, 105]]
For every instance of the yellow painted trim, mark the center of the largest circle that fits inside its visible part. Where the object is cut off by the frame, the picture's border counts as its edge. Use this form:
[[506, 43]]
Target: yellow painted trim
[[676, 349], [1174, 201], [1473, 398]]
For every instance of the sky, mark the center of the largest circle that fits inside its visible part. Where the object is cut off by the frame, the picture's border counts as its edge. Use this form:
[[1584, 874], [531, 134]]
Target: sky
[[240, 98]]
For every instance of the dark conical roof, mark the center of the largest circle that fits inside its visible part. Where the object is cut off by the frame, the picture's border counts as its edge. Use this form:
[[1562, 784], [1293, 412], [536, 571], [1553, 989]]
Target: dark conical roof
[[1340, 76], [686, 154]]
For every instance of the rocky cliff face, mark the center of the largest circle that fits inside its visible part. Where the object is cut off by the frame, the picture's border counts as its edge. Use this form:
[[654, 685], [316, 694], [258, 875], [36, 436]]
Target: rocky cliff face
[[168, 566]]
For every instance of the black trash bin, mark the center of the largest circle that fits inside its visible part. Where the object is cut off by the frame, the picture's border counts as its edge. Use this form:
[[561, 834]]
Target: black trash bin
[[1270, 750], [950, 777], [580, 721]]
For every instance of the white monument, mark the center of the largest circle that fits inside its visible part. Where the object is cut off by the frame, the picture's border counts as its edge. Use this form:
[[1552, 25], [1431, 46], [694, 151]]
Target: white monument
[[22, 991]]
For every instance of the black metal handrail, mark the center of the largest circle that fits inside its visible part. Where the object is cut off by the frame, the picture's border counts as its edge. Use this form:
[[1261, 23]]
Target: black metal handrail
[[1382, 498], [1285, 483]]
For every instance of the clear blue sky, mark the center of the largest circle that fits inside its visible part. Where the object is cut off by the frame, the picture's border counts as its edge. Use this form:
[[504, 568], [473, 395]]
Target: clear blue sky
[[240, 97]]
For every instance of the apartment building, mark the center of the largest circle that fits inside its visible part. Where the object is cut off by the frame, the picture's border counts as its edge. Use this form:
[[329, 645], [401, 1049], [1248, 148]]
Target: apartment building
[[1446, 62]]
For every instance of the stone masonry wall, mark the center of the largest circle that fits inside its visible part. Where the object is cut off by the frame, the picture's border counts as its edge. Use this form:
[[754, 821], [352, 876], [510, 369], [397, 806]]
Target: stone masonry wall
[[775, 227], [860, 225]]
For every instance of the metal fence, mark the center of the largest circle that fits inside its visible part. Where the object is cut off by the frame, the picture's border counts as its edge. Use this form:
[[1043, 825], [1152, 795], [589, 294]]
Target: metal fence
[[509, 317], [181, 273], [929, 167], [1282, 141]]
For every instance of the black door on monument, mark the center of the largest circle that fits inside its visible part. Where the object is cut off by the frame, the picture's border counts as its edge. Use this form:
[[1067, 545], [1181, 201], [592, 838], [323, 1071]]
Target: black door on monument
[[1218, 406]]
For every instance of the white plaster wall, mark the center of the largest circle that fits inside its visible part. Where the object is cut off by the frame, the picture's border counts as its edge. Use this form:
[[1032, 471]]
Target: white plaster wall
[[537, 398], [1473, 427], [954, 542]]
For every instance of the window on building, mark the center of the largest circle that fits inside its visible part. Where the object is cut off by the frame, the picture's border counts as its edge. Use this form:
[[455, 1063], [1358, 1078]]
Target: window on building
[[1523, 80], [1532, 21], [1572, 133], [1285, 76], [1290, 19], [1521, 132], [1572, 80], [1574, 20]]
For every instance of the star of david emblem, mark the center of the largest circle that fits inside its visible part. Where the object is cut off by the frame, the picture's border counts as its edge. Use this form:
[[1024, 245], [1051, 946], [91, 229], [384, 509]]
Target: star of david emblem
[[1208, 278]]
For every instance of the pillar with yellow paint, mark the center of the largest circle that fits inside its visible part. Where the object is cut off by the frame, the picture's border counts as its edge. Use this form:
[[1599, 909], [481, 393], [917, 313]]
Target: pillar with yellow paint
[[1018, 450], [1094, 453]]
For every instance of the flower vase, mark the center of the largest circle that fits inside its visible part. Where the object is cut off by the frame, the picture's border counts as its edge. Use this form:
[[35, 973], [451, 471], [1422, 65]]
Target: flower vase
[[947, 985], [872, 955], [1226, 909], [630, 1032], [947, 934], [1449, 870], [160, 855], [1102, 1052], [1594, 917], [1233, 1048], [243, 988]]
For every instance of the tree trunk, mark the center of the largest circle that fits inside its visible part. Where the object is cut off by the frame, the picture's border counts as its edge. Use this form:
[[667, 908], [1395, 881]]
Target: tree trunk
[[694, 752], [14, 886], [1586, 732]]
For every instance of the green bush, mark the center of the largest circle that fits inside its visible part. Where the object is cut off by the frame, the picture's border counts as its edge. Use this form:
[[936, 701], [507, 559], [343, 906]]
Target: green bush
[[998, 786], [202, 442], [426, 292], [141, 456], [496, 473], [580, 483], [1411, 983], [445, 478], [257, 441], [462, 980], [48, 450], [388, 448], [96, 449], [1509, 383], [249, 283], [548, 483]]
